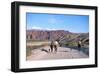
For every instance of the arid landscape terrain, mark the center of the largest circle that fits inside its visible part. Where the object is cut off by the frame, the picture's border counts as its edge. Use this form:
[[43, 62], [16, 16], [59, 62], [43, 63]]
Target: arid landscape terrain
[[38, 44]]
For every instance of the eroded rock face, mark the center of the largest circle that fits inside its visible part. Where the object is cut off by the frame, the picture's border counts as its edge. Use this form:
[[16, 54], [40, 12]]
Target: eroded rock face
[[45, 35], [63, 37]]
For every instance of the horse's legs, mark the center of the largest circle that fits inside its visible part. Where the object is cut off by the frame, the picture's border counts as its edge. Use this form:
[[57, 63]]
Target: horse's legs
[[51, 46], [55, 48]]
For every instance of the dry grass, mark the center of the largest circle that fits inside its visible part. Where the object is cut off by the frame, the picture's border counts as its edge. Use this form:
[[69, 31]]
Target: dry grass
[[31, 45]]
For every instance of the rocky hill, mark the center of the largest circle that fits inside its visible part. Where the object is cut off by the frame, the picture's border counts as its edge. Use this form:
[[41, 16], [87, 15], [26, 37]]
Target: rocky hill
[[45, 35], [63, 37]]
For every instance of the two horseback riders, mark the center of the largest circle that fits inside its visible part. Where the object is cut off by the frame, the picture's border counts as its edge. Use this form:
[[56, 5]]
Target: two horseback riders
[[53, 46]]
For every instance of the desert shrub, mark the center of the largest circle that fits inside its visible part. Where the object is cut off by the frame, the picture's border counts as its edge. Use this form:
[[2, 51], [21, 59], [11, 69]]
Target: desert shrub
[[28, 51], [71, 44]]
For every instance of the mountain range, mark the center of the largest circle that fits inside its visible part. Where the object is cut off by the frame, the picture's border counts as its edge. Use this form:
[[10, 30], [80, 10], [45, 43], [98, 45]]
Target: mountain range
[[62, 36]]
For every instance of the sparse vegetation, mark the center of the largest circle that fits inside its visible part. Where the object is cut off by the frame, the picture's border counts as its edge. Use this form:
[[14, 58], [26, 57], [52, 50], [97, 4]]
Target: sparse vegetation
[[71, 44], [28, 51], [64, 38], [31, 45]]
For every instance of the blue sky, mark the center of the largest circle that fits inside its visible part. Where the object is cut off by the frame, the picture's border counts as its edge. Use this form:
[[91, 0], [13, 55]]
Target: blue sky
[[72, 23]]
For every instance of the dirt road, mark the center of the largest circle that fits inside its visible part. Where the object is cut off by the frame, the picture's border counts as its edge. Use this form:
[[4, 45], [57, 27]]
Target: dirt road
[[62, 53]]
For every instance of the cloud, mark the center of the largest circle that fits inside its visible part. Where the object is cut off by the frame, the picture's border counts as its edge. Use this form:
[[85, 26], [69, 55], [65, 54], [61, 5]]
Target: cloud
[[35, 27], [39, 28]]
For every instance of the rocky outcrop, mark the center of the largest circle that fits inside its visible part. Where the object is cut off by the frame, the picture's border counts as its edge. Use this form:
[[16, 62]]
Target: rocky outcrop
[[65, 38], [45, 35]]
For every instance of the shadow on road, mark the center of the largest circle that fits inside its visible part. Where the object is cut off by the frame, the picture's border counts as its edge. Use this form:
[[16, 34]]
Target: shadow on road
[[63, 51], [45, 50]]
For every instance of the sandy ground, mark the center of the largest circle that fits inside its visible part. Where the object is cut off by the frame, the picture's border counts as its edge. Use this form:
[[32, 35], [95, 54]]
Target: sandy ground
[[62, 53]]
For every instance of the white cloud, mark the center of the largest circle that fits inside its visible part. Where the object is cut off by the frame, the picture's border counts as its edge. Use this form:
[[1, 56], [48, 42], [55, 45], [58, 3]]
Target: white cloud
[[35, 27], [39, 28]]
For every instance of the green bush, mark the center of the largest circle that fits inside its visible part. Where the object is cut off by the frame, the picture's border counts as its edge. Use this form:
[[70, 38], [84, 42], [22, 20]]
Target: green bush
[[28, 51], [71, 44]]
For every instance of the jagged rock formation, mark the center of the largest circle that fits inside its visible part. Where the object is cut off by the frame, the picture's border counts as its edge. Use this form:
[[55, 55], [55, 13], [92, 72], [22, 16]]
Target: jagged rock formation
[[45, 35], [63, 37]]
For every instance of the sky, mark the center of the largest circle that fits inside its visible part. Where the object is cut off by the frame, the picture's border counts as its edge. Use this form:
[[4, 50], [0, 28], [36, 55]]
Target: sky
[[67, 22]]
